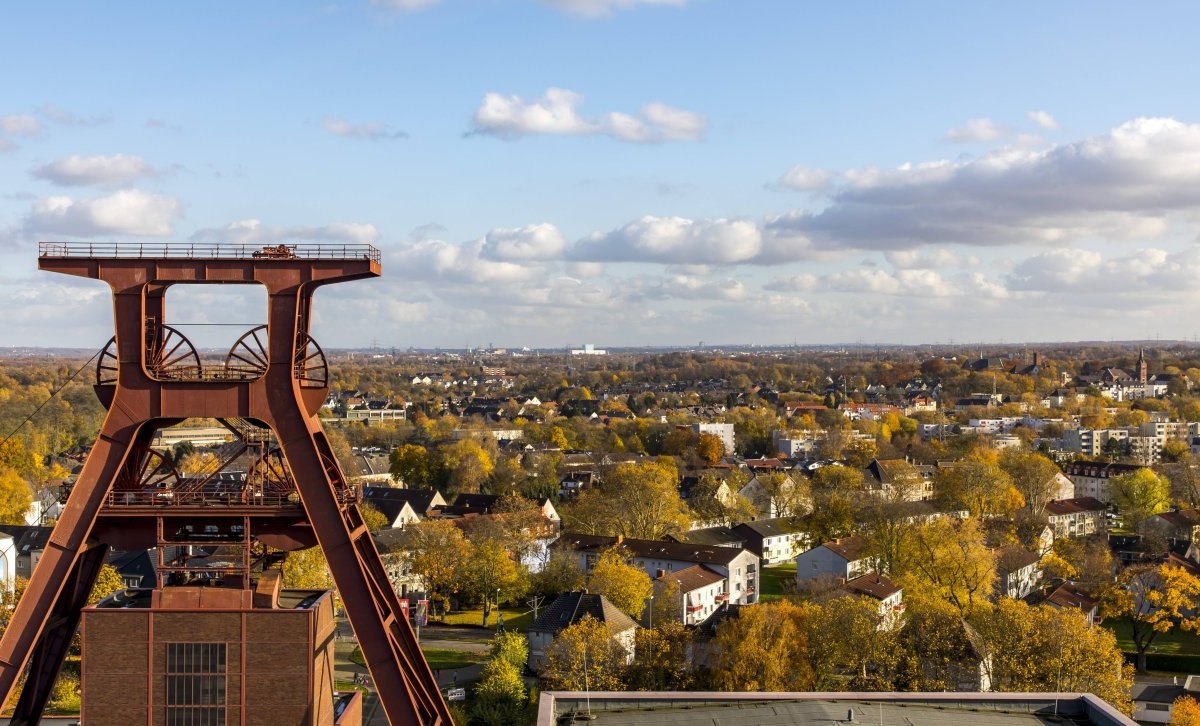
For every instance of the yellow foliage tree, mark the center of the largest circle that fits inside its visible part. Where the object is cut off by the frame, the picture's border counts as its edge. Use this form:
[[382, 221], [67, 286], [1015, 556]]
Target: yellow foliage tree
[[1156, 599], [949, 560], [585, 655], [1185, 712], [15, 497], [765, 648], [626, 586]]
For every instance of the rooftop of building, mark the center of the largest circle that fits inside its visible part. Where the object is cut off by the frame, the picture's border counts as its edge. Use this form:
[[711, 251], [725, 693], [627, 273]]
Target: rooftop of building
[[778, 709], [140, 598]]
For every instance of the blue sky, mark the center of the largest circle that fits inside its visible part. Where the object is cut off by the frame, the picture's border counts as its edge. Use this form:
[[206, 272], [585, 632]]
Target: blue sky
[[545, 172]]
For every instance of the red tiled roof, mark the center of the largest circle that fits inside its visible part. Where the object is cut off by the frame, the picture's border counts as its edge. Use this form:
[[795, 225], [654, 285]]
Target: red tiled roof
[[849, 548], [1074, 506], [873, 585]]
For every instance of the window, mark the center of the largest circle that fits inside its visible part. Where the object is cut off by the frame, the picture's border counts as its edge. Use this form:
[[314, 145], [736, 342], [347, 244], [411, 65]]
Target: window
[[195, 684]]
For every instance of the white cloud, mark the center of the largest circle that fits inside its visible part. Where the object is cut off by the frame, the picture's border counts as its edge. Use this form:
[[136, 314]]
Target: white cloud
[[532, 242], [428, 260], [127, 212], [684, 287], [1043, 120], [804, 282], [1080, 272], [674, 240], [935, 258], [806, 179], [253, 231], [370, 131], [926, 283], [976, 129], [1118, 185], [602, 8], [76, 170], [556, 112], [20, 125]]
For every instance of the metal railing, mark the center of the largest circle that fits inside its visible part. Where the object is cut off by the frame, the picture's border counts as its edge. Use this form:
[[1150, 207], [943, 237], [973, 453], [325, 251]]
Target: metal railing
[[210, 251]]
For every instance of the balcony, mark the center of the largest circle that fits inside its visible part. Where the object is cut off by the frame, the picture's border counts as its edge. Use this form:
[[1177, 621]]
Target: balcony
[[722, 597]]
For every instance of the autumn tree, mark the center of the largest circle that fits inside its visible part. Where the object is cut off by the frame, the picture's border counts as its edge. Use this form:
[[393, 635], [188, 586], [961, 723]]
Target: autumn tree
[[843, 480], [490, 572], [709, 502], [468, 465], [787, 497], [1139, 495], [1185, 711], [1047, 649], [1034, 476], [662, 662], [500, 695], [1156, 599], [981, 487], [585, 655], [639, 500], [560, 574], [307, 569], [950, 561], [198, 462], [626, 586], [108, 582], [373, 518], [15, 497], [832, 517], [416, 467], [845, 638], [765, 648], [710, 449], [437, 550]]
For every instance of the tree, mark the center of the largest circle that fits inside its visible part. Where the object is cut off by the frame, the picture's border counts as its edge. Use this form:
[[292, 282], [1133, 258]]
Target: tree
[[500, 695], [15, 497], [512, 647], [1185, 711], [845, 637], [638, 500], [765, 648], [584, 655], [373, 518], [860, 453], [198, 462], [1034, 476], [710, 449], [108, 582], [437, 550], [710, 503], [981, 487], [831, 518], [787, 497], [1045, 649], [950, 561], [491, 572], [626, 586], [1139, 495], [307, 570], [561, 573], [468, 465], [416, 467], [662, 662], [842, 480], [1156, 599]]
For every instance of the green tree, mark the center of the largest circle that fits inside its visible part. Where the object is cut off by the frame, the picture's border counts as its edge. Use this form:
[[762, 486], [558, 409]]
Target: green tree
[[1139, 495], [662, 662], [490, 572], [638, 500], [512, 647], [437, 550], [1034, 476], [585, 655], [626, 586], [416, 467], [832, 517], [500, 695]]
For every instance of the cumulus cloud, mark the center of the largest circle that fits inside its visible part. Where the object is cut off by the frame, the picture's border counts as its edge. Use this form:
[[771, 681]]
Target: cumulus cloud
[[76, 170], [603, 8], [253, 231], [533, 242], [674, 240], [1088, 272], [976, 129], [370, 131], [432, 259], [925, 259], [557, 112], [928, 283], [1118, 185], [806, 179], [127, 212], [1043, 120], [20, 125], [804, 282], [683, 287]]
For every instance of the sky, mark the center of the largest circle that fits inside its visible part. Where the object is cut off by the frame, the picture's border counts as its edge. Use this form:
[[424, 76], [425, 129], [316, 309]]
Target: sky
[[546, 173]]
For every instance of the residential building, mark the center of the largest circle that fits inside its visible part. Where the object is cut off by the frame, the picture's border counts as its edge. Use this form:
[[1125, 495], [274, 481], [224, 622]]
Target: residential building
[[1069, 596], [739, 566], [1017, 572], [403, 506], [888, 594], [1153, 702], [1091, 477], [1076, 517], [842, 559], [723, 431], [1178, 524], [568, 609], [700, 591], [900, 479], [773, 540]]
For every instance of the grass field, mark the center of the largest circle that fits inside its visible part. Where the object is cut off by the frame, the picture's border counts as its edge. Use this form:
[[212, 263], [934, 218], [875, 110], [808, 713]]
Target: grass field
[[440, 658], [513, 619], [1177, 641], [775, 581]]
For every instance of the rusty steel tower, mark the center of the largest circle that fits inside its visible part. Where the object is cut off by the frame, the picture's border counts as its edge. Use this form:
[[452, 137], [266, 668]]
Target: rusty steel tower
[[266, 392]]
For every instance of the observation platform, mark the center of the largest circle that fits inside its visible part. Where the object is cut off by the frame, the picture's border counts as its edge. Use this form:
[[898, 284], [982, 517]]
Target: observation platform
[[211, 251]]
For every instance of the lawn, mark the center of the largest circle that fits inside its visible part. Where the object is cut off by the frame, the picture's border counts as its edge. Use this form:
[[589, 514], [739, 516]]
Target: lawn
[[1177, 641], [438, 658], [513, 619], [776, 581]]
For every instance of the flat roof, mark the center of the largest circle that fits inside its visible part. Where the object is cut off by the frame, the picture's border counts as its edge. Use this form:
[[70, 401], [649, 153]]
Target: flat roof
[[778, 709]]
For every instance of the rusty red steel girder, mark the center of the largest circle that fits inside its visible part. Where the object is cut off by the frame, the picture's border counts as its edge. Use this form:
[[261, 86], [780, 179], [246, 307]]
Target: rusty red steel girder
[[285, 398]]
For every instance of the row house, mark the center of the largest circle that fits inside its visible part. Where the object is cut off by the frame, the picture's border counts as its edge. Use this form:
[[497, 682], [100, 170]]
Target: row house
[[738, 566], [1017, 572], [1076, 517], [1091, 477], [701, 591], [842, 559], [773, 540]]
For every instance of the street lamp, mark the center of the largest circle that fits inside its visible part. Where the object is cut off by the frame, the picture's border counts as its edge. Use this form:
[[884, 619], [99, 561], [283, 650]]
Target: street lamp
[[652, 611], [498, 615]]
